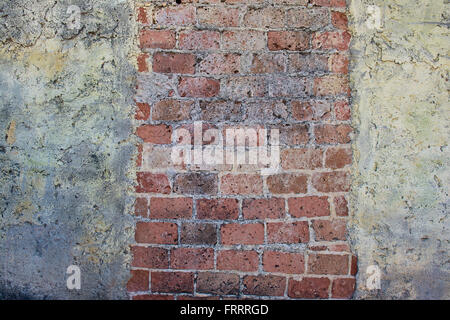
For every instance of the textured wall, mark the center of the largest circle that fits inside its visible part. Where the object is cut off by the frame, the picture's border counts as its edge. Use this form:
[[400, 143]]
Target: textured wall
[[399, 76], [65, 104]]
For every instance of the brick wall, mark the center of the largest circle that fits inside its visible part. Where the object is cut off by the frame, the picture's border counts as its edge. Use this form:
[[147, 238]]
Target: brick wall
[[229, 230]]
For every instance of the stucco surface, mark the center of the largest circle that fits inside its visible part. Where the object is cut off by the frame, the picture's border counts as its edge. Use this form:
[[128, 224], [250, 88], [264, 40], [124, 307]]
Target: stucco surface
[[65, 149], [401, 176]]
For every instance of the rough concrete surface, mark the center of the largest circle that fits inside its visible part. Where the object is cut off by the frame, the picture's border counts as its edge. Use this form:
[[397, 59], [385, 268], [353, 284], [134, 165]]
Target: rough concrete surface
[[65, 151], [399, 75]]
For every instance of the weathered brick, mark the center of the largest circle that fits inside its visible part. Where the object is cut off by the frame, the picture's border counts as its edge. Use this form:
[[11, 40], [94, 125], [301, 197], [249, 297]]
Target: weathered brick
[[266, 111], [198, 87], [340, 206], [304, 158], [339, 20], [218, 63], [142, 63], [354, 266], [142, 15], [172, 110], [336, 158], [143, 111], [342, 110], [249, 233], [237, 260], [338, 63], [308, 18], [198, 233], [218, 283], [294, 134], [300, 62], [312, 206], [153, 258], [244, 86], [195, 183], [264, 285], [283, 262], [329, 3], [268, 17], [272, 208], [154, 297], [331, 85], [193, 259], [172, 282], [218, 209], [170, 208], [218, 16], [152, 183], [328, 264], [331, 40], [153, 39], [221, 110], [156, 233], [248, 40], [288, 40], [141, 207], [287, 183], [199, 40], [314, 110], [289, 86], [268, 63], [139, 281], [175, 15], [329, 230], [337, 181], [241, 184], [332, 134], [343, 288], [165, 62], [310, 288], [158, 134], [287, 232]]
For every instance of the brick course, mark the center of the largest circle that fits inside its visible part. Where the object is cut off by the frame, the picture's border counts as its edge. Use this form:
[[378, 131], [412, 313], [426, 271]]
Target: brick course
[[228, 231]]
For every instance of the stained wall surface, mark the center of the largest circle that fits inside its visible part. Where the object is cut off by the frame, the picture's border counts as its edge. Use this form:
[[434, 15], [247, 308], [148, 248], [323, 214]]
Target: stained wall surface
[[399, 203]]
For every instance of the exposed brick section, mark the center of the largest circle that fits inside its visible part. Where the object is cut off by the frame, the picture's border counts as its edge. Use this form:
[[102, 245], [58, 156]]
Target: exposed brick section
[[230, 230]]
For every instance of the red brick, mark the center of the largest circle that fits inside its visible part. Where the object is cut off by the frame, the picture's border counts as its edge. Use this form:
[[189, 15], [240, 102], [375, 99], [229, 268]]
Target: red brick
[[241, 184], [170, 208], [343, 288], [140, 149], [198, 87], [331, 40], [139, 281], [164, 62], [283, 262], [175, 16], [218, 283], [158, 134], [188, 258], [199, 40], [198, 233], [249, 233], [141, 207], [152, 39], [240, 87], [264, 285], [289, 86], [143, 111], [339, 20], [331, 85], [329, 3], [312, 206], [218, 16], [343, 247], [288, 40], [153, 258], [342, 110], [287, 232], [152, 183], [156, 232], [295, 134], [142, 15], [268, 63], [287, 183], [328, 264], [272, 208], [218, 209], [247, 40], [332, 134], [308, 18], [338, 63], [268, 17], [336, 158], [340, 206], [142, 63], [237, 260], [154, 297], [304, 158], [172, 282], [354, 266], [338, 181], [172, 110], [299, 62], [311, 110], [217, 63], [195, 183], [329, 230], [310, 288]]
